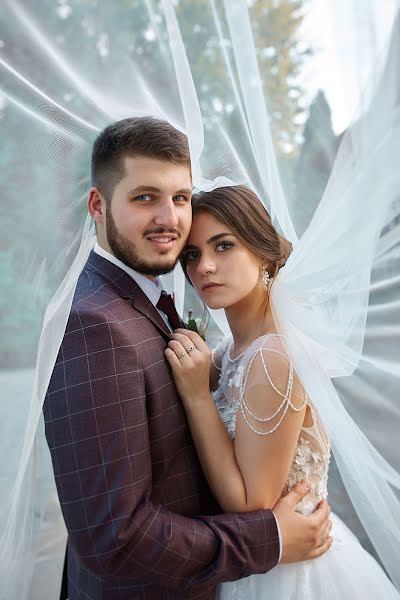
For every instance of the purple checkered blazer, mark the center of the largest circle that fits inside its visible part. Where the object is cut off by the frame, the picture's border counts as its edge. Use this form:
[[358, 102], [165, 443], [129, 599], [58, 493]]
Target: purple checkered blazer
[[142, 523]]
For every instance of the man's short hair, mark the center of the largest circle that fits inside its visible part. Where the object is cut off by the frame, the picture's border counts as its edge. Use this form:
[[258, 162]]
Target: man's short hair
[[133, 137]]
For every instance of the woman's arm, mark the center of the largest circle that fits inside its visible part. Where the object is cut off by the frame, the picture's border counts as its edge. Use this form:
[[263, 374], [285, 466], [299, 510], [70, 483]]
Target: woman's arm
[[264, 450], [192, 375], [216, 452], [249, 473]]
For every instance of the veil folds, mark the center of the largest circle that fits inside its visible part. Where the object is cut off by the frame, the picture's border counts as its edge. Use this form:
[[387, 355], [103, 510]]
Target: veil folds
[[240, 78]]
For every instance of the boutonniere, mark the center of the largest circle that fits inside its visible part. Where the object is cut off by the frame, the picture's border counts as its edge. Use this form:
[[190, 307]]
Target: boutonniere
[[198, 325]]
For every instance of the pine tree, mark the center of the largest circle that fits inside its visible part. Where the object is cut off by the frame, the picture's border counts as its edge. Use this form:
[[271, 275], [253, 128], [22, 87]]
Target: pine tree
[[315, 160], [281, 56]]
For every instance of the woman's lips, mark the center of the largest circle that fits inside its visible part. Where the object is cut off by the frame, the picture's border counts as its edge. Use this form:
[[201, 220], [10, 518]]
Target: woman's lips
[[208, 287]]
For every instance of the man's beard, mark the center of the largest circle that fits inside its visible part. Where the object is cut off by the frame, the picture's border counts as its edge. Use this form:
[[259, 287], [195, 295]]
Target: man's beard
[[125, 251]]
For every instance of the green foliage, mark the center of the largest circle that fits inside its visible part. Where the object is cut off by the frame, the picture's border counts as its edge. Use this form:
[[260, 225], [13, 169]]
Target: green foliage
[[281, 57]]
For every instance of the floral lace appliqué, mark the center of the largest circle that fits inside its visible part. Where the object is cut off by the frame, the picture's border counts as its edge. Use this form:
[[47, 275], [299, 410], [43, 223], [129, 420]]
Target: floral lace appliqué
[[312, 465], [237, 377]]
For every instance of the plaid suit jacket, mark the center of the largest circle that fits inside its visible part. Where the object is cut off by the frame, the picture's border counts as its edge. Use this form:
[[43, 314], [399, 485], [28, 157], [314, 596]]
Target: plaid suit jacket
[[141, 521]]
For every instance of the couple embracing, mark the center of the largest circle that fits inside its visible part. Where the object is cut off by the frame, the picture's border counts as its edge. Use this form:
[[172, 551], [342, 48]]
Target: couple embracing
[[183, 473]]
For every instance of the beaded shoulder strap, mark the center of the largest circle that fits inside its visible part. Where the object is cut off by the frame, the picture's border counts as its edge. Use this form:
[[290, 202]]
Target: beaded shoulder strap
[[283, 406]]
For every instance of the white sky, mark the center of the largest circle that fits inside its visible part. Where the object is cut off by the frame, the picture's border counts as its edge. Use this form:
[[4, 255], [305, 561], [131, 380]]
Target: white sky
[[350, 34]]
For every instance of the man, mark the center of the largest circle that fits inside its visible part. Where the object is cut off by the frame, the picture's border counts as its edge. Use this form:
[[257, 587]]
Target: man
[[132, 492]]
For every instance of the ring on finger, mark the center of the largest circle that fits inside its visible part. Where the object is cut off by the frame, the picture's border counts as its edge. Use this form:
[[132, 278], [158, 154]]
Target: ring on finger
[[182, 355], [322, 541], [191, 349]]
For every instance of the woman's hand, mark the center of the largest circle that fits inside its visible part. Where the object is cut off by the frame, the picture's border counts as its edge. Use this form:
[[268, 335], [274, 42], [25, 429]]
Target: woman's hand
[[190, 360]]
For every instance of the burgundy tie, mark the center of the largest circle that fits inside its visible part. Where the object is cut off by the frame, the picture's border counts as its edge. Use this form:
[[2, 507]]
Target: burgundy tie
[[166, 304]]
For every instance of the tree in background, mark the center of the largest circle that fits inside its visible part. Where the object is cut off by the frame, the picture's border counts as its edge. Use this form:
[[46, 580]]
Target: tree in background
[[104, 41], [281, 56], [314, 163]]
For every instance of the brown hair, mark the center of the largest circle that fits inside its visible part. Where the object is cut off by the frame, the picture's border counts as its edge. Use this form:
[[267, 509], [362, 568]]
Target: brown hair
[[240, 209], [136, 136]]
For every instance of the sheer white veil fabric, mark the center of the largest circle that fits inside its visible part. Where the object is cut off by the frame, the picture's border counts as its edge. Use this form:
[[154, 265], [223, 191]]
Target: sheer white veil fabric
[[337, 299]]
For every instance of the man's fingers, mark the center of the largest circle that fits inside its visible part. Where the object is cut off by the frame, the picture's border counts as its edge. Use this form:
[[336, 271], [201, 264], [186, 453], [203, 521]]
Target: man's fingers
[[321, 514], [327, 530], [297, 493], [321, 549]]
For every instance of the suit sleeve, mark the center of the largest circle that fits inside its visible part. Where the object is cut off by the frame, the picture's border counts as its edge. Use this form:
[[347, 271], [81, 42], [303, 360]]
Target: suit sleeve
[[99, 443]]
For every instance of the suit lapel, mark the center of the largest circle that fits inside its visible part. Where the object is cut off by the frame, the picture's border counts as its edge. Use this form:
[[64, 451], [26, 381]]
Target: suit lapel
[[127, 288], [141, 303]]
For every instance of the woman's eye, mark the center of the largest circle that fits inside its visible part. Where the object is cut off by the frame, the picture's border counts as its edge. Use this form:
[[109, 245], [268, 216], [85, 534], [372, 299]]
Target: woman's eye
[[222, 246], [190, 256]]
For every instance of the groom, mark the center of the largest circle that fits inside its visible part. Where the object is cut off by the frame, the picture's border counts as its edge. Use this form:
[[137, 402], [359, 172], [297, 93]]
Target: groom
[[141, 520]]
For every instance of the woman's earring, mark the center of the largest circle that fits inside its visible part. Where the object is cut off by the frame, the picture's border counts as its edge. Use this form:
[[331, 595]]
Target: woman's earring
[[265, 277]]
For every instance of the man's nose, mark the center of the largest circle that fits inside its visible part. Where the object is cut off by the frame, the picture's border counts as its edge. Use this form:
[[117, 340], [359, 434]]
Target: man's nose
[[166, 214]]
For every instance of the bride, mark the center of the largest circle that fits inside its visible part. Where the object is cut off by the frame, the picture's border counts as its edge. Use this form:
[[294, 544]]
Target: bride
[[256, 429]]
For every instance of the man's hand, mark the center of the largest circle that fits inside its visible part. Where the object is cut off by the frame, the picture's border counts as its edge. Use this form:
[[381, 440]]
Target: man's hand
[[303, 537]]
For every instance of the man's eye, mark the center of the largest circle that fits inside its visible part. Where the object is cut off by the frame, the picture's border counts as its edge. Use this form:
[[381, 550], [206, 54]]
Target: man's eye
[[222, 246], [180, 198], [143, 198]]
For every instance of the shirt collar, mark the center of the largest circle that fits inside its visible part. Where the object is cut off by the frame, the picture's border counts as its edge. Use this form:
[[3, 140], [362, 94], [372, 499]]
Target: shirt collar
[[152, 289]]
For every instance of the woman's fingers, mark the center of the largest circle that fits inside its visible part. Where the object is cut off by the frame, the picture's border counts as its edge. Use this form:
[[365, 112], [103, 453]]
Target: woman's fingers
[[185, 341], [172, 359], [182, 356], [190, 367], [193, 337], [193, 344], [175, 355], [179, 347]]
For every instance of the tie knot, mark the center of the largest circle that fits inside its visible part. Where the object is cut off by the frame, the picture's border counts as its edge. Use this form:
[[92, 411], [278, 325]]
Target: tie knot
[[165, 301], [167, 306]]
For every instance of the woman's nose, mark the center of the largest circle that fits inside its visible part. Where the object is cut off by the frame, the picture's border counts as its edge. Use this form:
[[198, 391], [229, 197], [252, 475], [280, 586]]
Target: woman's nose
[[206, 266]]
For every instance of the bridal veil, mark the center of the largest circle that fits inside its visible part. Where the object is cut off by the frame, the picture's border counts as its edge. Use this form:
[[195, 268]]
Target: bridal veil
[[299, 100]]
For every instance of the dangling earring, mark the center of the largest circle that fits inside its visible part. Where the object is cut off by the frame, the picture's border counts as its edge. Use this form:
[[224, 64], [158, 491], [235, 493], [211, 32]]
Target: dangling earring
[[265, 277]]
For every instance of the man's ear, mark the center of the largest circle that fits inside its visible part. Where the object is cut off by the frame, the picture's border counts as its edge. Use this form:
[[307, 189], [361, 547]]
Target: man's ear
[[97, 206]]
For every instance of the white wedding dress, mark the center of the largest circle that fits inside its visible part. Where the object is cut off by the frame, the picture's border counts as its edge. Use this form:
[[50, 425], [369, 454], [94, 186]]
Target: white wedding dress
[[346, 570]]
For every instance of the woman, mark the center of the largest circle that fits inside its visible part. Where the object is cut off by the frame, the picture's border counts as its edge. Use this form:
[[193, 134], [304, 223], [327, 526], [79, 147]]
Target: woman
[[257, 432]]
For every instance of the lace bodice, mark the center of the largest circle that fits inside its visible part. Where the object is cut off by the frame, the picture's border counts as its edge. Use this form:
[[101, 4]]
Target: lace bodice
[[312, 454]]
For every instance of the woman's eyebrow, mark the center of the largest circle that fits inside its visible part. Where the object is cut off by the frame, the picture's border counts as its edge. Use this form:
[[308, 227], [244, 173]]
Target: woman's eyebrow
[[212, 239], [218, 236]]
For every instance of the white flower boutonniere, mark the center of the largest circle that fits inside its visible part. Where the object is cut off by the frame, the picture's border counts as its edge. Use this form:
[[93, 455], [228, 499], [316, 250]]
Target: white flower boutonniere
[[197, 325]]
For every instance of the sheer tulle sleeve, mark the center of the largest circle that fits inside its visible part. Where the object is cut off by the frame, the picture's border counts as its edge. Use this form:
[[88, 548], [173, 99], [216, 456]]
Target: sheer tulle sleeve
[[270, 388], [218, 352]]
